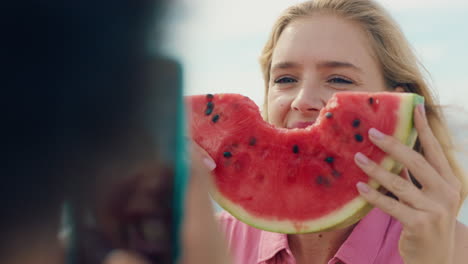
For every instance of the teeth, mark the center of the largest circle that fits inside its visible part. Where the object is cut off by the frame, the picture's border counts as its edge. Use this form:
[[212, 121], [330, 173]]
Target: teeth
[[153, 230]]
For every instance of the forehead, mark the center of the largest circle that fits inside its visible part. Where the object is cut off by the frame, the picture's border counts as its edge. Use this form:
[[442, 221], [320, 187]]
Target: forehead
[[324, 38]]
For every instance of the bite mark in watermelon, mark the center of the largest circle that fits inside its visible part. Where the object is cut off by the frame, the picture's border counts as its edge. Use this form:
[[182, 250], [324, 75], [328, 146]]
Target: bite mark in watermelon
[[297, 180]]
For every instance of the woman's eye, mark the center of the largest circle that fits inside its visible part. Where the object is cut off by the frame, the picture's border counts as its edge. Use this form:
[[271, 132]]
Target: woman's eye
[[340, 80], [285, 80]]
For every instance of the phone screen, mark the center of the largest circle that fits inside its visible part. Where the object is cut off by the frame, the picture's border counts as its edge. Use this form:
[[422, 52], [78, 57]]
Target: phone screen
[[137, 201]]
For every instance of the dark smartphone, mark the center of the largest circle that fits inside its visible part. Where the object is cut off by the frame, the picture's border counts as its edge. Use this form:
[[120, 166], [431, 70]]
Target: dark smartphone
[[137, 202]]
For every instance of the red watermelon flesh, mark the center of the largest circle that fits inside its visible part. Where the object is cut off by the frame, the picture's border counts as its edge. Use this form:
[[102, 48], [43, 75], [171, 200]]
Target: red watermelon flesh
[[297, 180]]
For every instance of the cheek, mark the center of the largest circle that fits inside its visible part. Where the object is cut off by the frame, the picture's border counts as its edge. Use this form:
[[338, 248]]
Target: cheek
[[278, 108], [374, 87], [375, 82]]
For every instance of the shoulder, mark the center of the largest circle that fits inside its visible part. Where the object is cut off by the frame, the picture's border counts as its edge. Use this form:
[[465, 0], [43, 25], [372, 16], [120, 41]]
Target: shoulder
[[461, 243]]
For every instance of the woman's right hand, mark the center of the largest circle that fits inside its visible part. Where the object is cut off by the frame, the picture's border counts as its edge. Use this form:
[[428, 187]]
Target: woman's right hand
[[203, 242], [199, 154]]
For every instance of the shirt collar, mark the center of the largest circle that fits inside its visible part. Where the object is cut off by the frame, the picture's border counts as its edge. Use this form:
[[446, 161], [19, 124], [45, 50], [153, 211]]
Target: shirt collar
[[362, 245], [271, 244], [365, 242]]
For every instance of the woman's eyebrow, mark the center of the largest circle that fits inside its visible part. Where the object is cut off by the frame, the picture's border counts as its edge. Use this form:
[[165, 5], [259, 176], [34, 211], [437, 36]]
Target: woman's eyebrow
[[322, 64], [285, 65], [337, 64]]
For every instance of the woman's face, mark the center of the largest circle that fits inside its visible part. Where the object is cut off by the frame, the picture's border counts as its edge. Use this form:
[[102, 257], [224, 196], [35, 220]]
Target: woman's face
[[314, 58]]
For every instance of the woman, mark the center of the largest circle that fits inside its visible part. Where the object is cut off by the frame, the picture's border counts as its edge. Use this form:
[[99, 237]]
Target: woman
[[321, 47]]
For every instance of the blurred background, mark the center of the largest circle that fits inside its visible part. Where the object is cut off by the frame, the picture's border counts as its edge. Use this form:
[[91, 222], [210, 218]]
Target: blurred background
[[219, 42]]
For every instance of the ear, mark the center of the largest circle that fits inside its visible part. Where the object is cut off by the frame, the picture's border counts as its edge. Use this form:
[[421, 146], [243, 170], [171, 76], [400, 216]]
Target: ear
[[399, 89]]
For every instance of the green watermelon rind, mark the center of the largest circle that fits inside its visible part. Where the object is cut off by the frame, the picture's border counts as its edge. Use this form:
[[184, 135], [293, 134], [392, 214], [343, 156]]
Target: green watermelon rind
[[413, 134], [352, 211]]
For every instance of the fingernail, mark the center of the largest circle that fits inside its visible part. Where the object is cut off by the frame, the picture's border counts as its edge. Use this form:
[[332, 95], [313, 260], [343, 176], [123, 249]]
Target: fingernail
[[421, 109], [361, 158], [210, 164], [362, 187], [376, 134]]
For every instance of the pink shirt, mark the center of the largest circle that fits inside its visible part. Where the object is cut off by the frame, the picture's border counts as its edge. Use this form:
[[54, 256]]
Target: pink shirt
[[374, 240]]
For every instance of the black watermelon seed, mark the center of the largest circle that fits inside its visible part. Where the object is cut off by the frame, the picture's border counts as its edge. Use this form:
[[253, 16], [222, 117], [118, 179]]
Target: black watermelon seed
[[336, 174], [209, 108], [296, 149], [320, 179], [358, 137], [329, 160], [356, 122], [227, 154], [209, 96], [208, 111], [328, 115], [215, 118], [371, 100], [252, 141]]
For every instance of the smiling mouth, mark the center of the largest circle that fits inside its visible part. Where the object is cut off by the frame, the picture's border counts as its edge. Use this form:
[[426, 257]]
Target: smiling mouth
[[301, 124]]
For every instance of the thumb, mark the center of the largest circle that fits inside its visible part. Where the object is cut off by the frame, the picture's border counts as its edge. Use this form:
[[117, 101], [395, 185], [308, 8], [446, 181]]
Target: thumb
[[200, 155]]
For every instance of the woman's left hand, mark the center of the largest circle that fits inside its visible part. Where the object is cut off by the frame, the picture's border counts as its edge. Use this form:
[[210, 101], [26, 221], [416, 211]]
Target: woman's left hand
[[428, 215]]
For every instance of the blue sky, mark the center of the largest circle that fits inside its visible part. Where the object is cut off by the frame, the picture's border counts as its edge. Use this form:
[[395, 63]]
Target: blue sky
[[219, 42]]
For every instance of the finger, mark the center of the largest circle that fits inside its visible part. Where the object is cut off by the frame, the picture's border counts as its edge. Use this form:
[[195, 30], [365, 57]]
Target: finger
[[389, 205], [403, 189], [200, 154], [431, 146], [414, 161], [405, 174]]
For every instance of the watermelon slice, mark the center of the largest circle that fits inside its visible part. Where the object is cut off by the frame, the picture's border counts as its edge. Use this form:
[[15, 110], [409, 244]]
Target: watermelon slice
[[297, 180]]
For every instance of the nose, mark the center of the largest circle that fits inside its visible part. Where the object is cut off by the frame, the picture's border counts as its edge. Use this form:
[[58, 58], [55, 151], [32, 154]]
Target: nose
[[308, 100]]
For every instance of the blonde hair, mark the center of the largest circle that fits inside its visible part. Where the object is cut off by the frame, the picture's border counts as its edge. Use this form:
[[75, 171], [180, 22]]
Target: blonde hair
[[398, 63]]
